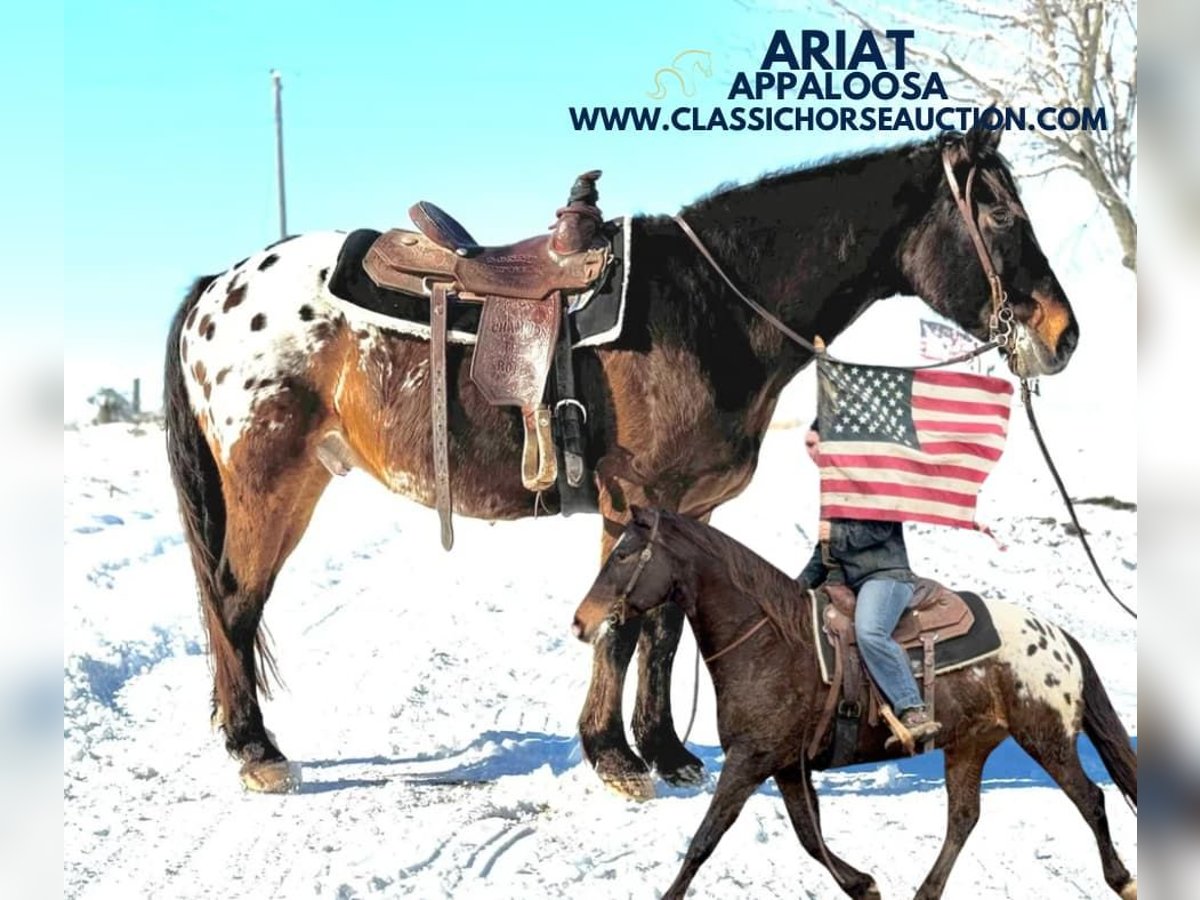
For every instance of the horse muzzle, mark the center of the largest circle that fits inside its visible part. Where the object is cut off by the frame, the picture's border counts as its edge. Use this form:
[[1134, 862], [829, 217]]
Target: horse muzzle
[[1031, 357], [593, 620], [1044, 344]]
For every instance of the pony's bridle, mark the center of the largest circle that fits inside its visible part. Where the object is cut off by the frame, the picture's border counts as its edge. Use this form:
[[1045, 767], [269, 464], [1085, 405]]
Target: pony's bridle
[[1001, 323], [620, 610]]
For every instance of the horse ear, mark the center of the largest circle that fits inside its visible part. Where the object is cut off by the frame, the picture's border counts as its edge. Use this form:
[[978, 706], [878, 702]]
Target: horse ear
[[982, 140], [953, 145]]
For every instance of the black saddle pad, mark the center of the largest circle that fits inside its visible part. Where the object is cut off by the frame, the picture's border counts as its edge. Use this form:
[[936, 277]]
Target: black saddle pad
[[977, 644], [595, 320]]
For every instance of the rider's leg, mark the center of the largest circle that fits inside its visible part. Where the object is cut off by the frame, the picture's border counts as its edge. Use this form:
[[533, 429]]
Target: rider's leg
[[881, 603]]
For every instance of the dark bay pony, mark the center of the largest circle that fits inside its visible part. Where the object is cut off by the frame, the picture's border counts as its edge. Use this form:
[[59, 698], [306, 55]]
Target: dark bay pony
[[264, 366], [1041, 689]]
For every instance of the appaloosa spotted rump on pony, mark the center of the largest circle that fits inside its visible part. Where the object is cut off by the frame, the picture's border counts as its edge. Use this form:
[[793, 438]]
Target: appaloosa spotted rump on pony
[[1041, 688], [273, 383]]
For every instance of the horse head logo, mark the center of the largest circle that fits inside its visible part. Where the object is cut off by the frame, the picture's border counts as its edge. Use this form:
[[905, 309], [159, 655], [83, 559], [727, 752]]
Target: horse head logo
[[683, 69]]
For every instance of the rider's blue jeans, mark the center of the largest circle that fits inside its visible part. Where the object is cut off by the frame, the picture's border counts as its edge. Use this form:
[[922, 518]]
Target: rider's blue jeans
[[881, 603]]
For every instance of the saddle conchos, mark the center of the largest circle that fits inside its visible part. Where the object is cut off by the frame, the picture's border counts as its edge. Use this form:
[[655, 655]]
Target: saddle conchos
[[522, 289]]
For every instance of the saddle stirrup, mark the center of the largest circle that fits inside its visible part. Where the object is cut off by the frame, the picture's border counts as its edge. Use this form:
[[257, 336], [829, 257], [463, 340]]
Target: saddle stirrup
[[521, 288], [539, 467]]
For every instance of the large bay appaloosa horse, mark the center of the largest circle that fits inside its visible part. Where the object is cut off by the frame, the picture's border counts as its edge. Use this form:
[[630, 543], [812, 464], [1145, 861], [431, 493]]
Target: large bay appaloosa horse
[[264, 363], [1041, 688]]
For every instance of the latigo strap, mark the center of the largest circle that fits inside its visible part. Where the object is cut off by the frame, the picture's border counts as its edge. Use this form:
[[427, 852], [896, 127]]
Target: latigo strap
[[437, 383]]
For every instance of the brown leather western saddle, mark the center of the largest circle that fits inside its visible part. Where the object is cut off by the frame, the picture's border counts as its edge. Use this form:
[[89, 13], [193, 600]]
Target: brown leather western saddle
[[935, 614], [522, 288]]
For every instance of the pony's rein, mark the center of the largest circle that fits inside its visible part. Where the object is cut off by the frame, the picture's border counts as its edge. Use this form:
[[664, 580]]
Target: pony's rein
[[806, 784], [745, 637], [1000, 324], [754, 629]]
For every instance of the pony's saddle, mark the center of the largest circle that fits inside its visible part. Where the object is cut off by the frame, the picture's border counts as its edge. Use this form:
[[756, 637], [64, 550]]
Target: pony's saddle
[[942, 631], [522, 289]]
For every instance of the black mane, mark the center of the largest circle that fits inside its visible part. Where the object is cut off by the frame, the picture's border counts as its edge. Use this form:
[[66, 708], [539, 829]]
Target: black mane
[[825, 167], [780, 597]]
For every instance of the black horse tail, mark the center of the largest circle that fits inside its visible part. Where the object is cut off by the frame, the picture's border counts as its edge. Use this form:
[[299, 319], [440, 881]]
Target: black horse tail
[[1101, 724], [198, 487]]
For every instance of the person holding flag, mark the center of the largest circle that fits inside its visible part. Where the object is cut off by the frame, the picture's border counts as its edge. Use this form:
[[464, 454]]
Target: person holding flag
[[896, 445], [871, 559]]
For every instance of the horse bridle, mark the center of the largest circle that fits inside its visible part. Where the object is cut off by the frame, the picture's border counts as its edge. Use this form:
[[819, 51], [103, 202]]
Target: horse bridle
[[620, 610], [1001, 323]]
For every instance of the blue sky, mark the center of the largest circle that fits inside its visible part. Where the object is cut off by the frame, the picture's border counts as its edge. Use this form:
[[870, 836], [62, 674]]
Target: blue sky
[[169, 159]]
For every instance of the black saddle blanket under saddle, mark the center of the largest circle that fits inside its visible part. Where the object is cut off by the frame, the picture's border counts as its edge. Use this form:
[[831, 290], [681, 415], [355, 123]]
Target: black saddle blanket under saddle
[[596, 316], [977, 644]]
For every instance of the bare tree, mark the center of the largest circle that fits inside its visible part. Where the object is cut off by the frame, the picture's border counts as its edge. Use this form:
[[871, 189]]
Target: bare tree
[[1036, 53]]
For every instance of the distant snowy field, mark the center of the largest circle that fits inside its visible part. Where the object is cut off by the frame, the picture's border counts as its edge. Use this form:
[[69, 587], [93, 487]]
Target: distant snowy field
[[431, 698]]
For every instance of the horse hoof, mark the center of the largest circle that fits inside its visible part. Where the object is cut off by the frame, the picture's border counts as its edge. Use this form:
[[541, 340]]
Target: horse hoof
[[675, 765], [632, 786], [872, 892], [1129, 892], [624, 774], [684, 776], [276, 777]]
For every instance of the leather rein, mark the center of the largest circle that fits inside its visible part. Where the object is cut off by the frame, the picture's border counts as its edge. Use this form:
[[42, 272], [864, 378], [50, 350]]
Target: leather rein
[[1001, 323], [1001, 331]]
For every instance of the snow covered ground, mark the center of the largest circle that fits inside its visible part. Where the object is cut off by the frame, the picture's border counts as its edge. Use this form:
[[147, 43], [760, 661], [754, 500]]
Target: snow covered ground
[[431, 698]]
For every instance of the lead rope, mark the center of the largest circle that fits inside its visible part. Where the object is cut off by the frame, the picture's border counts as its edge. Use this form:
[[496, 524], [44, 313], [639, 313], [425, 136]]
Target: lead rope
[[1026, 399], [787, 332]]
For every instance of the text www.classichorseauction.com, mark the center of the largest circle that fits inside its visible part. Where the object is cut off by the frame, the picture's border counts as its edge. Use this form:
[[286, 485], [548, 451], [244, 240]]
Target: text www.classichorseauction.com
[[820, 68]]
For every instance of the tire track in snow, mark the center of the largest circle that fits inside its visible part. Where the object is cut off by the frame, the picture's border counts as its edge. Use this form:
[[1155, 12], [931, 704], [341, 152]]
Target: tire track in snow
[[504, 848]]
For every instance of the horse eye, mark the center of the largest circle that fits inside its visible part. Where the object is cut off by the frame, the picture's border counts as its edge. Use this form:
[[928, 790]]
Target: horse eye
[[1001, 217]]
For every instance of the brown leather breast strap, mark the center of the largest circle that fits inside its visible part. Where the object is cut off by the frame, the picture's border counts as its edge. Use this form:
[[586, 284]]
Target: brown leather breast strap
[[437, 385]]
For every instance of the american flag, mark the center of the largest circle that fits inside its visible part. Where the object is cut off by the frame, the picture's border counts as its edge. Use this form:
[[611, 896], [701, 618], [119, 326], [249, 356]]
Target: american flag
[[904, 445], [939, 341]]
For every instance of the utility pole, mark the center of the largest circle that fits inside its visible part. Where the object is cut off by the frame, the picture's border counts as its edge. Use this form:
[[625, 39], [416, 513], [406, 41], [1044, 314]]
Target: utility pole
[[277, 81]]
